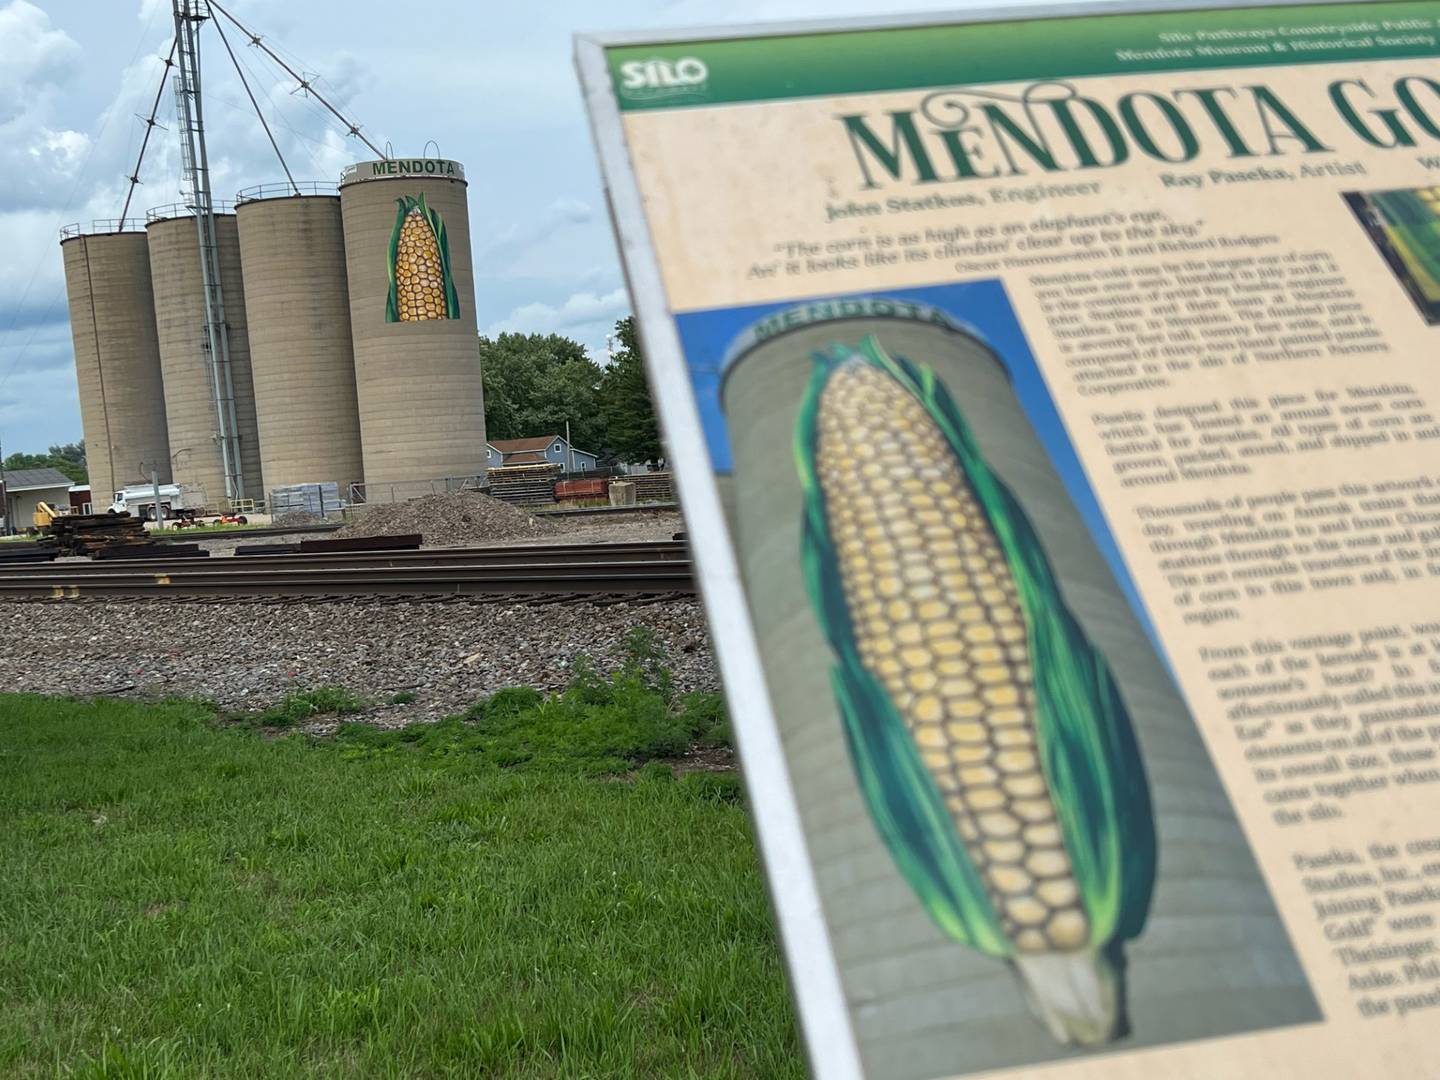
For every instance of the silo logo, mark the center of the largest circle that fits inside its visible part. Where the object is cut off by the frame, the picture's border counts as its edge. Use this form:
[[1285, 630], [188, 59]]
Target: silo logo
[[658, 79]]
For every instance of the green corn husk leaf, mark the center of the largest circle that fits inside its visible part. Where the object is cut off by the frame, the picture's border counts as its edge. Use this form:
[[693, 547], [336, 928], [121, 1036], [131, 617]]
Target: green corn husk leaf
[[1413, 226], [392, 299], [1087, 747]]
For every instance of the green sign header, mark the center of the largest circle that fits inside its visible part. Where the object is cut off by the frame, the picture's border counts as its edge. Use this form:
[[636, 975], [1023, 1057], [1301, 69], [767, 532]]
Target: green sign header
[[681, 74]]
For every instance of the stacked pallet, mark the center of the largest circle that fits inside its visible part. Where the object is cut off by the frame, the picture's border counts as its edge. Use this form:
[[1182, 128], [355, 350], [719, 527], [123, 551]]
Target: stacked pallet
[[653, 487], [85, 534], [525, 485]]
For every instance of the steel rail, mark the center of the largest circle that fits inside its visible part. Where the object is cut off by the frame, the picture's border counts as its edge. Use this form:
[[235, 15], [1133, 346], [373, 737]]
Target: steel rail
[[537, 555], [606, 578], [542, 570]]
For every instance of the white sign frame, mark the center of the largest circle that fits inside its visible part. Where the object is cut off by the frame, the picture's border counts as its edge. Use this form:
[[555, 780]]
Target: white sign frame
[[828, 1031]]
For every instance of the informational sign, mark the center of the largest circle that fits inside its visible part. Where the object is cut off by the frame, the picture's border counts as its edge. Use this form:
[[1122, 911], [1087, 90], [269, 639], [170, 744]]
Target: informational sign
[[1053, 402]]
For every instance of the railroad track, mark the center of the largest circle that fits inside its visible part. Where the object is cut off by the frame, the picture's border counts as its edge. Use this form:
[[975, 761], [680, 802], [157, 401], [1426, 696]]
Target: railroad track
[[194, 536], [637, 508], [536, 573], [199, 536]]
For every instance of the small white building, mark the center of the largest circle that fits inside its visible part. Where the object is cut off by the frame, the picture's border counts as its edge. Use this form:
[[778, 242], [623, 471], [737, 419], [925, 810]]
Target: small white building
[[21, 490]]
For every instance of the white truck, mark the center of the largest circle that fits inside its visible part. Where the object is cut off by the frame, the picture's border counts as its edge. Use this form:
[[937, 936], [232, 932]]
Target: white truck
[[177, 503]]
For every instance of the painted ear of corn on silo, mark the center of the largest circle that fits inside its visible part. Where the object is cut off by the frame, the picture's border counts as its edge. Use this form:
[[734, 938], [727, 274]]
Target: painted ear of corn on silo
[[990, 740], [421, 284]]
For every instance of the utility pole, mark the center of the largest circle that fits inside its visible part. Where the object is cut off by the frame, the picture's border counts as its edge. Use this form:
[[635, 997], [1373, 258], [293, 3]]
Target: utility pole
[[155, 487], [5, 495], [189, 14]]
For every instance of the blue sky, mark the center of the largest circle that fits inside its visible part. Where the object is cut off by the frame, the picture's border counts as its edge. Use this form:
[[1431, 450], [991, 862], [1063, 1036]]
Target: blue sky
[[492, 84]]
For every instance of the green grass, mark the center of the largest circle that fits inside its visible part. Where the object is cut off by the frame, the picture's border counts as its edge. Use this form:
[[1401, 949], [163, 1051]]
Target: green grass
[[216, 527], [302, 705], [602, 728], [182, 897]]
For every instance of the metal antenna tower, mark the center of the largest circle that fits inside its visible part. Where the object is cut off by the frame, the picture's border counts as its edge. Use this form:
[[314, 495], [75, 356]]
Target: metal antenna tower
[[189, 14]]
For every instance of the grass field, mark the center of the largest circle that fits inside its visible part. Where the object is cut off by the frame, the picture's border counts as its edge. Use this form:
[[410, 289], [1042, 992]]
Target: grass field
[[505, 894]]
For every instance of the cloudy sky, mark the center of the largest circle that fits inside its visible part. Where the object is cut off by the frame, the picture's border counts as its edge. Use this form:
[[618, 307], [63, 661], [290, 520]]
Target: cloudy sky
[[491, 83]]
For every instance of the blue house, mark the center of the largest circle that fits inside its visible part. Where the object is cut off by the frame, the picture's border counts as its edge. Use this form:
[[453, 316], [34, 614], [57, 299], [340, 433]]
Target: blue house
[[540, 450]]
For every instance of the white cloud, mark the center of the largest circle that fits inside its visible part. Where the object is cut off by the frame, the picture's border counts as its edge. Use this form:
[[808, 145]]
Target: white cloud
[[509, 247], [577, 310], [36, 60], [39, 404], [72, 78], [586, 316], [34, 57]]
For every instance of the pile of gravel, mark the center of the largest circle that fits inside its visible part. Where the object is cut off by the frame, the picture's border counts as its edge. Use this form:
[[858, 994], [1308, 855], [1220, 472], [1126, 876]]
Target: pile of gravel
[[297, 518], [461, 517]]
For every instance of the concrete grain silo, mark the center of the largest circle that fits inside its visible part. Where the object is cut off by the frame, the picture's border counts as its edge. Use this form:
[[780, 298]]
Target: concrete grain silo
[[197, 460], [297, 306], [1213, 956], [412, 317], [117, 355]]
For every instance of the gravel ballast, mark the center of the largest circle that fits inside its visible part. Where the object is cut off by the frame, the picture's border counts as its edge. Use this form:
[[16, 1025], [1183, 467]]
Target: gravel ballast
[[577, 529], [249, 655], [461, 517]]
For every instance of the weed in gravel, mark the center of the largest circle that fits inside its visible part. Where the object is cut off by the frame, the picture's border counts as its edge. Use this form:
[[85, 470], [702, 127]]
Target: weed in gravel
[[404, 697], [597, 725], [296, 708], [601, 727]]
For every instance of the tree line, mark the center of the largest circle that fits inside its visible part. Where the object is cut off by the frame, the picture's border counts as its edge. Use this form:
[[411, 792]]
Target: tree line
[[69, 458], [534, 383]]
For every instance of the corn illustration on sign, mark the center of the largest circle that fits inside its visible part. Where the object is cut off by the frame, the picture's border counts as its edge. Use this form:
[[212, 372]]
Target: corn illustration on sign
[[421, 283], [989, 738]]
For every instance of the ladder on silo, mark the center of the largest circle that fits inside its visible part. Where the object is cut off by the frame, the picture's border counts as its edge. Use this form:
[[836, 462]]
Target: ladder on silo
[[189, 14]]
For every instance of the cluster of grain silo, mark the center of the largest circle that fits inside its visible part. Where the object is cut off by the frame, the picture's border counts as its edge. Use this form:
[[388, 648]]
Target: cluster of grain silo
[[349, 318]]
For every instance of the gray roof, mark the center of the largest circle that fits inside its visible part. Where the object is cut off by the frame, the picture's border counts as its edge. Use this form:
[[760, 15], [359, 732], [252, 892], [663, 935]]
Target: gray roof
[[35, 479]]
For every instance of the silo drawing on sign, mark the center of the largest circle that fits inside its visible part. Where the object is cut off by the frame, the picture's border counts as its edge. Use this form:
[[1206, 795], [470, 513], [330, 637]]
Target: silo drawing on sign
[[1020, 840], [117, 355]]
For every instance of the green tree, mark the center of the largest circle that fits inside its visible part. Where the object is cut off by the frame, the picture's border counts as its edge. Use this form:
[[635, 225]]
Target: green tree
[[69, 458], [534, 383], [629, 412]]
